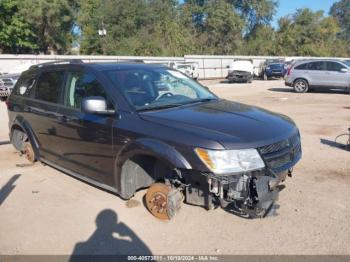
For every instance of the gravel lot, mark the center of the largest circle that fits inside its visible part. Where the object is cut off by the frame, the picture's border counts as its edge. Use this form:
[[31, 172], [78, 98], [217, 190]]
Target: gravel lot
[[44, 211]]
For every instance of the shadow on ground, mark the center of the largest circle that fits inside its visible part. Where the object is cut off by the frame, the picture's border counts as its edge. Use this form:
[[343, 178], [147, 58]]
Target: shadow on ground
[[7, 188], [284, 90], [110, 238], [334, 144], [4, 143], [318, 91]]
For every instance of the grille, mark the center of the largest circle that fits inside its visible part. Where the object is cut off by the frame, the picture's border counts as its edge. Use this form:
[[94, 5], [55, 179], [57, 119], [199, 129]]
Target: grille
[[282, 155], [6, 82]]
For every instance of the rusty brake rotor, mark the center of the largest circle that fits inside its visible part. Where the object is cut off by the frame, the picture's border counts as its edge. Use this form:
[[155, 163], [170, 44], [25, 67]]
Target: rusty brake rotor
[[157, 200], [29, 152]]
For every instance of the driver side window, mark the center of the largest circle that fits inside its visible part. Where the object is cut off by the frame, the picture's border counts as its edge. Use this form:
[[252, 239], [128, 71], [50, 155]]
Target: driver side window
[[80, 85]]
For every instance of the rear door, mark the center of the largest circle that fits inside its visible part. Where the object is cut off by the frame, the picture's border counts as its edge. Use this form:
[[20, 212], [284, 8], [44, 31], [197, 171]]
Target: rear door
[[42, 112], [86, 145], [317, 74], [337, 78]]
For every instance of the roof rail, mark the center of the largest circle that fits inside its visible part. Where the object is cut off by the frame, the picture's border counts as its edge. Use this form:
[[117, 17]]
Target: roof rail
[[131, 61], [65, 61]]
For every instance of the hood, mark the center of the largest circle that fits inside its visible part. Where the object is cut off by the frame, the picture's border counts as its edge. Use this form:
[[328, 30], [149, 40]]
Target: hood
[[245, 66], [234, 125]]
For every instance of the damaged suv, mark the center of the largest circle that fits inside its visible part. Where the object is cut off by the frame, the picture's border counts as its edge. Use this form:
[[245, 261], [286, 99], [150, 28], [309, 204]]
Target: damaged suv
[[129, 126]]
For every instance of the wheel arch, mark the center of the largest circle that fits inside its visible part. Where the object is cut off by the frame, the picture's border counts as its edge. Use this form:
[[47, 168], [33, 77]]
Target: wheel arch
[[301, 78], [136, 164], [22, 125]]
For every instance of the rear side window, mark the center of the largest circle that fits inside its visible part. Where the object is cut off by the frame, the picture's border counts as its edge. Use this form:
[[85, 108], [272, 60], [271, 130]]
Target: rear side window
[[301, 67], [49, 86], [320, 66], [334, 66], [80, 85], [24, 85]]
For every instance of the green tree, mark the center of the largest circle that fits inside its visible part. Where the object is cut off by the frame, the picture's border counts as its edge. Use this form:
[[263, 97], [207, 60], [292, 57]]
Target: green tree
[[52, 21], [135, 27], [308, 33], [16, 34], [341, 12], [261, 41], [255, 12], [215, 25]]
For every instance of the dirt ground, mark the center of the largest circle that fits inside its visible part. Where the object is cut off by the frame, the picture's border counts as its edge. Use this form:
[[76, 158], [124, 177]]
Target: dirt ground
[[44, 211]]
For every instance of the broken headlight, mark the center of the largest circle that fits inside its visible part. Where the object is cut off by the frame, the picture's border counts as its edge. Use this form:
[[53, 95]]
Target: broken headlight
[[230, 161]]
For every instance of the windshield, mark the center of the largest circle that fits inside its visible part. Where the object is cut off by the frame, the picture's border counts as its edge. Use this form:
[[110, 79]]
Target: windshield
[[153, 88]]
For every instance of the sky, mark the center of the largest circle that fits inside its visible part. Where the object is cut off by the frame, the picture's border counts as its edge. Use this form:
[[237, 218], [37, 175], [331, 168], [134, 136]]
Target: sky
[[289, 6]]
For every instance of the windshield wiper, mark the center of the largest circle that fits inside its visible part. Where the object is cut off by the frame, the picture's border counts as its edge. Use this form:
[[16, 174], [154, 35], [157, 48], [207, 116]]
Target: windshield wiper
[[158, 107], [201, 100]]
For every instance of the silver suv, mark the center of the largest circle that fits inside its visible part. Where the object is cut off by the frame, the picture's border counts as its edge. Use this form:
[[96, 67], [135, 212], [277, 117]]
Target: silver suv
[[304, 75]]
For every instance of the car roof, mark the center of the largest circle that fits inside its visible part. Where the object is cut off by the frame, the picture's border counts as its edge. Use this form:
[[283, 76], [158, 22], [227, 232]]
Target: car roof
[[122, 66], [318, 60], [99, 66]]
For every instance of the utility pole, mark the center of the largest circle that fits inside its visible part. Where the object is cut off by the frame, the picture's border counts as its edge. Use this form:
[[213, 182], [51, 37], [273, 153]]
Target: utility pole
[[102, 32]]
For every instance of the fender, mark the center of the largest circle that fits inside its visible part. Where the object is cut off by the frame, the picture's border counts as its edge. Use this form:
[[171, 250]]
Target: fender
[[25, 126], [149, 147]]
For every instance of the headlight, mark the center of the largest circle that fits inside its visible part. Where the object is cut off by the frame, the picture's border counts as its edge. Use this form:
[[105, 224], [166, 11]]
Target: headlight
[[230, 161]]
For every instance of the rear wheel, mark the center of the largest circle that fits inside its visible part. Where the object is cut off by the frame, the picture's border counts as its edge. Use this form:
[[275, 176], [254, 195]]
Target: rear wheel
[[29, 152], [301, 86]]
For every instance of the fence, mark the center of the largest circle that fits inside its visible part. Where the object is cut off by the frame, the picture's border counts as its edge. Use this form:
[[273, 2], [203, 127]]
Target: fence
[[209, 66]]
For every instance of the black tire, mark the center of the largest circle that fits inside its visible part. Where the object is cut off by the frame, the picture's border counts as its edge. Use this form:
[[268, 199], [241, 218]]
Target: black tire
[[301, 86]]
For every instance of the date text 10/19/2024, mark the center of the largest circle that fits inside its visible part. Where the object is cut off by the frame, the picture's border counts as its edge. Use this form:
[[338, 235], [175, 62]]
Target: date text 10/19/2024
[[173, 258]]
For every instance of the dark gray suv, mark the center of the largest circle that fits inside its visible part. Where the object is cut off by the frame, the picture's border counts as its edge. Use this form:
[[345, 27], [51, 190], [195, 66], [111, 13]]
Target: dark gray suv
[[130, 126]]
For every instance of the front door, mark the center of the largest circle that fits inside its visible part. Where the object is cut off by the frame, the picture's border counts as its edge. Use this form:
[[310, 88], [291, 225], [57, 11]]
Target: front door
[[86, 145], [337, 78]]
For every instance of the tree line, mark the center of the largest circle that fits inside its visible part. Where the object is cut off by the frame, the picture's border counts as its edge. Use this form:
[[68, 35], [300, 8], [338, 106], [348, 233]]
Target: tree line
[[171, 28]]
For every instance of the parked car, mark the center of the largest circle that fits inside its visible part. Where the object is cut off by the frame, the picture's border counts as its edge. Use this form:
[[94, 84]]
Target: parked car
[[325, 74], [273, 68], [128, 126], [188, 68], [240, 71], [7, 82]]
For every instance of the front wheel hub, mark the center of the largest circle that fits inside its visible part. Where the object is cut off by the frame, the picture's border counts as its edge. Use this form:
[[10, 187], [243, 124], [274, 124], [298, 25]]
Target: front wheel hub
[[162, 201]]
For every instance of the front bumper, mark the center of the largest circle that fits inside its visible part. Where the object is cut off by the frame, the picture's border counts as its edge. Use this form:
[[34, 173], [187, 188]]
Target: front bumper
[[239, 77], [288, 83], [275, 73], [4, 93], [253, 192]]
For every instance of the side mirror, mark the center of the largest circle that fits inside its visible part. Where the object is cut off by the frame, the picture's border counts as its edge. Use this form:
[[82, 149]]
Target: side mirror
[[95, 105], [344, 70]]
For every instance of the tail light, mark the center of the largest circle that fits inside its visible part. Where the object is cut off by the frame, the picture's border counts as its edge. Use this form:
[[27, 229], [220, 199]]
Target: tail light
[[289, 71]]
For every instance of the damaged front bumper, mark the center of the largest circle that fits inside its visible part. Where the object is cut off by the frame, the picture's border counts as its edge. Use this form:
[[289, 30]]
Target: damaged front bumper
[[251, 193]]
